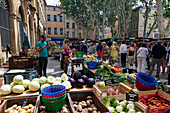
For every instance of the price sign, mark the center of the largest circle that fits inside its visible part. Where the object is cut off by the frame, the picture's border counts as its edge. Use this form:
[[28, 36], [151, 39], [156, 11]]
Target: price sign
[[99, 78], [131, 96], [109, 82]]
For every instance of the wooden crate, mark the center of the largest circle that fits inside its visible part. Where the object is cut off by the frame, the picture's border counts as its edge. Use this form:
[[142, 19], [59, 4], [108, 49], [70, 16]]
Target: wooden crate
[[39, 103], [19, 101], [102, 91], [123, 97], [26, 93], [150, 92], [82, 95]]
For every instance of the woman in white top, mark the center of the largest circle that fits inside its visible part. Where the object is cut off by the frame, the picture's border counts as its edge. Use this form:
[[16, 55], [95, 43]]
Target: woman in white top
[[123, 52], [141, 58]]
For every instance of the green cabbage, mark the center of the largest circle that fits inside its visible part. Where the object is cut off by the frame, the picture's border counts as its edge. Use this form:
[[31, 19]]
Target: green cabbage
[[18, 89], [64, 77], [26, 83], [42, 80], [50, 79], [6, 89], [34, 86], [18, 79], [45, 85]]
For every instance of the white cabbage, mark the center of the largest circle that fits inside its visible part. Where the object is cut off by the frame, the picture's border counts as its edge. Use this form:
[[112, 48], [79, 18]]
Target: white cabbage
[[50, 79], [57, 83], [131, 111], [67, 84], [18, 89], [45, 85], [119, 108], [18, 79], [6, 89], [34, 86], [36, 79], [58, 79], [26, 83], [64, 77], [42, 80]]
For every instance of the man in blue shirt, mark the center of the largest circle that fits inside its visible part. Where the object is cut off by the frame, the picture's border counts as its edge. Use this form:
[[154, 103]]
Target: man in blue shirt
[[43, 56]]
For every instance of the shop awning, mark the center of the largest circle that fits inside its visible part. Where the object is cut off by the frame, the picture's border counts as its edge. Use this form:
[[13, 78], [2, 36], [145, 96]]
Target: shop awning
[[57, 39]]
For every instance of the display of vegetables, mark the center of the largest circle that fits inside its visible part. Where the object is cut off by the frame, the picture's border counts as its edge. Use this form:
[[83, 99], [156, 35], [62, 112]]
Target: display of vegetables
[[116, 106], [155, 102], [85, 106], [19, 109]]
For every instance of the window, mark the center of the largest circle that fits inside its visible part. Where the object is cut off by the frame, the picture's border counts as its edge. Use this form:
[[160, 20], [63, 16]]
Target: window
[[48, 18], [96, 30], [68, 35], [53, 8], [79, 35], [96, 36], [67, 17], [60, 10], [73, 25], [61, 31], [67, 24], [55, 18], [47, 8], [55, 30], [73, 35], [61, 19], [49, 30]]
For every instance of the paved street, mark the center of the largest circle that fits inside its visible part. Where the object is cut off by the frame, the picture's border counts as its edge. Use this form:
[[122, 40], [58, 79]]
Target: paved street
[[53, 68]]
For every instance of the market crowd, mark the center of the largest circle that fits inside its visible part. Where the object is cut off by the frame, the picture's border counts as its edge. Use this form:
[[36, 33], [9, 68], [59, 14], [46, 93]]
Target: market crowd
[[141, 56]]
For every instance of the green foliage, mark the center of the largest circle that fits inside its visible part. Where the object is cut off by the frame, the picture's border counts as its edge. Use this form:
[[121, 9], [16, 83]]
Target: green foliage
[[106, 101]]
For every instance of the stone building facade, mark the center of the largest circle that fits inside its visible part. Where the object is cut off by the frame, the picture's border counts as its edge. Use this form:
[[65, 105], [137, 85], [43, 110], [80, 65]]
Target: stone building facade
[[19, 17]]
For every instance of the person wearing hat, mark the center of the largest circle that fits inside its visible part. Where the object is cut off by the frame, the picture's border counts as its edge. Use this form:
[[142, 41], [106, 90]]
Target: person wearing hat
[[41, 47], [105, 51]]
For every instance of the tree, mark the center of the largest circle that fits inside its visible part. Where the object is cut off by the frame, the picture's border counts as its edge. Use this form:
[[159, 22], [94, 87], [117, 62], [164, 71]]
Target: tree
[[164, 32]]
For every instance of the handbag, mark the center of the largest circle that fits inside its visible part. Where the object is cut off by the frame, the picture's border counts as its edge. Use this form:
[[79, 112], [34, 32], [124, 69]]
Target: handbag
[[99, 53]]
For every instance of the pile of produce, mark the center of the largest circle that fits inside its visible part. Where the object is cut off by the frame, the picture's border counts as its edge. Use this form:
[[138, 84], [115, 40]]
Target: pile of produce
[[107, 73], [80, 80], [86, 106], [155, 102], [19, 84], [116, 106], [111, 92], [18, 109], [65, 109]]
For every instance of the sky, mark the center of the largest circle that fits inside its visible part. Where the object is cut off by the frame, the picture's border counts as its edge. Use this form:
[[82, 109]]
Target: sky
[[52, 2]]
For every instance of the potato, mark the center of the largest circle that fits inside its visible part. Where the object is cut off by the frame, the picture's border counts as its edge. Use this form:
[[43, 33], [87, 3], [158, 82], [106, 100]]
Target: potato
[[26, 108], [75, 106], [65, 105], [117, 92], [75, 102], [89, 109], [110, 92], [29, 111], [89, 97], [79, 109], [88, 103], [18, 107], [94, 112], [8, 110], [91, 101], [32, 109], [98, 111], [14, 106], [80, 103], [30, 106], [84, 105], [94, 109], [63, 108], [83, 102], [65, 111]]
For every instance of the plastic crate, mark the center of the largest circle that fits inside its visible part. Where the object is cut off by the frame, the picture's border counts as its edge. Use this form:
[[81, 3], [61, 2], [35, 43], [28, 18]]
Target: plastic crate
[[27, 75]]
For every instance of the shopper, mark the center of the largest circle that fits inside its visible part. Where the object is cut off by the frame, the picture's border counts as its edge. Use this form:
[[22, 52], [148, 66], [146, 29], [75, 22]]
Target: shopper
[[41, 47], [91, 49], [141, 58], [131, 55], [67, 49], [105, 51], [114, 53], [110, 43], [158, 52], [83, 47], [148, 57], [99, 49], [164, 60], [123, 53]]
